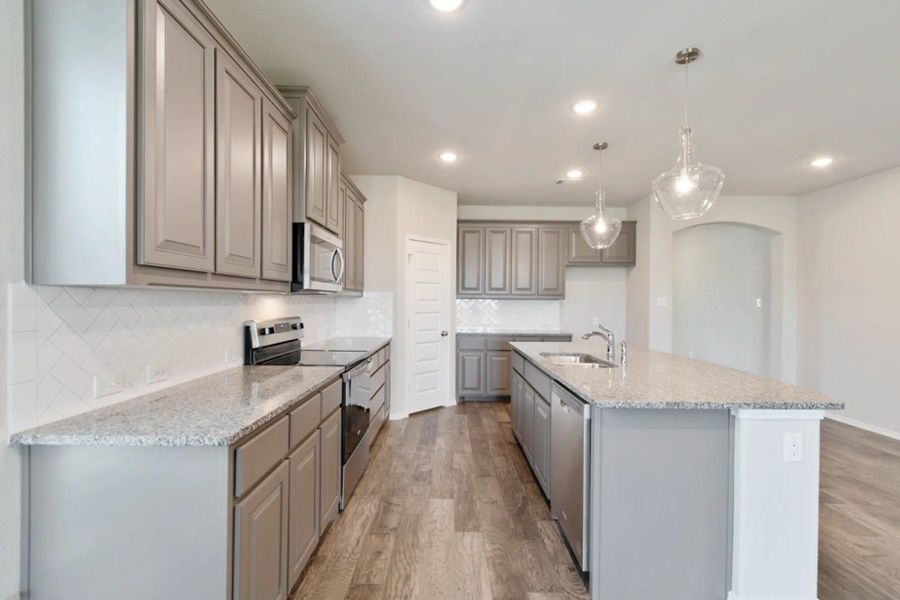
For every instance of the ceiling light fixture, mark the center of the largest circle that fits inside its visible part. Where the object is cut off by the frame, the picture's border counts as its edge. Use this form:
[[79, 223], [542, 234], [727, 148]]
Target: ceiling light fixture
[[446, 5], [574, 173], [690, 188], [585, 107], [822, 162], [448, 156], [600, 230]]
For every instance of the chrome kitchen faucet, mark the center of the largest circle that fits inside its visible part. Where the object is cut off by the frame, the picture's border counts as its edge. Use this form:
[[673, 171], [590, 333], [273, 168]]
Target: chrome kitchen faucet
[[610, 341]]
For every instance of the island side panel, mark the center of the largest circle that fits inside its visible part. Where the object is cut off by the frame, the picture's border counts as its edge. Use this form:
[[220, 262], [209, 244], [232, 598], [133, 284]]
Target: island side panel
[[660, 504], [129, 522]]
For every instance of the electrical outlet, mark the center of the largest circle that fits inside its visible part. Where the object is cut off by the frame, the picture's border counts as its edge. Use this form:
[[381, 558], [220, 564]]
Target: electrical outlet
[[662, 301], [157, 373], [106, 383], [793, 447]]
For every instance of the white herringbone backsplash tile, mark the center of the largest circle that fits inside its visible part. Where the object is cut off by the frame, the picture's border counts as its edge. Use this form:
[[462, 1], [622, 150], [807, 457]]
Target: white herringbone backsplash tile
[[71, 347], [508, 314]]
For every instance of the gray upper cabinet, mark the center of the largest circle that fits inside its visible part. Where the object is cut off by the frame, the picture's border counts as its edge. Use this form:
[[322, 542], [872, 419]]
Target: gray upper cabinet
[[277, 207], [354, 235], [304, 505], [177, 210], [317, 161], [470, 261], [261, 540], [524, 261], [551, 263], [238, 170], [179, 192], [330, 444], [622, 253], [498, 260]]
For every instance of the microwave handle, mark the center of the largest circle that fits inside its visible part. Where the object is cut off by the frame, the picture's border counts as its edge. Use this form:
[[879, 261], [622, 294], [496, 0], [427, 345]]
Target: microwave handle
[[338, 277]]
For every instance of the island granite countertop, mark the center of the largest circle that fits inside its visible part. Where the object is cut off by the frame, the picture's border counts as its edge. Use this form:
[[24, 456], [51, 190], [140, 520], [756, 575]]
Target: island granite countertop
[[216, 410], [657, 380], [510, 332]]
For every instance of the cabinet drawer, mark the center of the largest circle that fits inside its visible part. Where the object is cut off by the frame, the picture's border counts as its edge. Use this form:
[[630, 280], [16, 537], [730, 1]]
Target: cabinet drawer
[[470, 342], [496, 343], [537, 379], [377, 401], [377, 379], [331, 397], [518, 363], [255, 458], [305, 419]]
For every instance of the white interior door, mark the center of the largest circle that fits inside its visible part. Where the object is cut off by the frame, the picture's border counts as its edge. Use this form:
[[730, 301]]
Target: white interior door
[[428, 304]]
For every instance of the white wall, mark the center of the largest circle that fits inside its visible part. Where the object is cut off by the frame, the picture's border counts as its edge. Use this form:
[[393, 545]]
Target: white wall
[[591, 292], [12, 194], [721, 295], [650, 282], [849, 330], [397, 208]]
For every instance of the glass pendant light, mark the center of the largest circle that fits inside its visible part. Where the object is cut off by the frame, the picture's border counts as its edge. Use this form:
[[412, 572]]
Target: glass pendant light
[[600, 230], [690, 188]]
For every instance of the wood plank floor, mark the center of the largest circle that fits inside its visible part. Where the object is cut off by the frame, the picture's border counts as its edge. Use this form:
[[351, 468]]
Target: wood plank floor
[[859, 522], [447, 509]]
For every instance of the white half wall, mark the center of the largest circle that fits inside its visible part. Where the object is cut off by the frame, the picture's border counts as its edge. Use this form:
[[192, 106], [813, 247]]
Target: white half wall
[[849, 326]]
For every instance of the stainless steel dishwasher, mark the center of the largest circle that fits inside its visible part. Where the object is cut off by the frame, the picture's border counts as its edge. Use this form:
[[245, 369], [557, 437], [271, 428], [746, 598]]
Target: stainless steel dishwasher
[[570, 452]]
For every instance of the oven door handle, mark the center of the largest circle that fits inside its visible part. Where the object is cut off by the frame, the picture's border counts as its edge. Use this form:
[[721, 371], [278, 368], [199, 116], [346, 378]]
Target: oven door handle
[[337, 254], [362, 368]]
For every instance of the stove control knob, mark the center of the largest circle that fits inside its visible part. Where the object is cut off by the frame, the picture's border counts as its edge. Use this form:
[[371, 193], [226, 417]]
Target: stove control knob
[[266, 330]]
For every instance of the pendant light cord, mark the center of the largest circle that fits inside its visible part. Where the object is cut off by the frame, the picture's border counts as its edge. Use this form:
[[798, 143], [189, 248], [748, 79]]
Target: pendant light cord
[[600, 183], [686, 88]]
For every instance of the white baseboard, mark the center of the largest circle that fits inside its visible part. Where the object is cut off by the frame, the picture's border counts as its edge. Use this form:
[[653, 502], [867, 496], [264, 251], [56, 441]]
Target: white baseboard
[[398, 416], [733, 596], [860, 425]]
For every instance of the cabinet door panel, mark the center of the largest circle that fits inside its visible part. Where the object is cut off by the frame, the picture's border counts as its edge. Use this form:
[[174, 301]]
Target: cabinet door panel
[[334, 208], [331, 469], [177, 210], [349, 236], [551, 268], [527, 407], [277, 205], [359, 206], [470, 262], [579, 253], [541, 451], [623, 250], [498, 247], [238, 155], [470, 373], [497, 373], [304, 505], [260, 540], [524, 261], [316, 169]]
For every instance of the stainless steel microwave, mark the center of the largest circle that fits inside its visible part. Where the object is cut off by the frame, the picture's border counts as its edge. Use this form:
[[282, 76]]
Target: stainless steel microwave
[[318, 259]]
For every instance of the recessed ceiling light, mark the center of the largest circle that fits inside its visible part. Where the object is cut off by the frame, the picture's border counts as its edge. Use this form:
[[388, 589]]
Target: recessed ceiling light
[[446, 5], [448, 156], [574, 173], [822, 162], [585, 107]]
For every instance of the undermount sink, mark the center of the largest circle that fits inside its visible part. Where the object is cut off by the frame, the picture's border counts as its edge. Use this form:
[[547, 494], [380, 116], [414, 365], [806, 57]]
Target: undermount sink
[[577, 358]]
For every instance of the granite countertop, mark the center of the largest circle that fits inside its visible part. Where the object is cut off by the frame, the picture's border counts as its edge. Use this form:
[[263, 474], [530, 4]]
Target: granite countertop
[[216, 410], [502, 331], [666, 381], [349, 344]]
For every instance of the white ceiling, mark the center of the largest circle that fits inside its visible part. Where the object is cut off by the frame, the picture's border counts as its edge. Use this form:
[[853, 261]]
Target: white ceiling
[[780, 82]]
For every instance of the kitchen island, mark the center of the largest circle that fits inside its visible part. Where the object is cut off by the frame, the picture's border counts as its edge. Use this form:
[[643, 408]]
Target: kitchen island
[[671, 477]]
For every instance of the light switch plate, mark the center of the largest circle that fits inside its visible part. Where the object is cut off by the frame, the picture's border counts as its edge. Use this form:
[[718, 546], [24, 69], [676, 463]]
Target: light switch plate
[[157, 373], [106, 383]]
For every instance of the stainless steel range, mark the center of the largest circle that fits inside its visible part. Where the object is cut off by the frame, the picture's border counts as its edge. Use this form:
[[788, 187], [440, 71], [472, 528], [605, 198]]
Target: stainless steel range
[[278, 342]]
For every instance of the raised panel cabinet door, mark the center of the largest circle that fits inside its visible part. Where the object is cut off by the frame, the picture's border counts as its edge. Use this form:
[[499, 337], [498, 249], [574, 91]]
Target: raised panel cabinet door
[[527, 407], [261, 539], [304, 506], [176, 215], [470, 373], [623, 250], [498, 368], [540, 453], [551, 266], [498, 251], [277, 205], [331, 469], [524, 261], [470, 261], [334, 209], [579, 253], [238, 172], [349, 236], [316, 168], [513, 401], [359, 206], [520, 411]]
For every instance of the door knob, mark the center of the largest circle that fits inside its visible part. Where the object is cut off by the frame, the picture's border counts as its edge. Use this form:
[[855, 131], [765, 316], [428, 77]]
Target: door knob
[[444, 334]]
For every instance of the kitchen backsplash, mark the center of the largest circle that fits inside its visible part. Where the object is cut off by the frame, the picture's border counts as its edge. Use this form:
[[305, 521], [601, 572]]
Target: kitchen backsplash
[[509, 314], [69, 345]]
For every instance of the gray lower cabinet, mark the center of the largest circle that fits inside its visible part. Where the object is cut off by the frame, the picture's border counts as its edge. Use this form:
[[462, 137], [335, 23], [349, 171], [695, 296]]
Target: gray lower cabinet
[[470, 372], [530, 414], [497, 368], [261, 540], [527, 407], [331, 469], [540, 442], [304, 505], [621, 253]]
